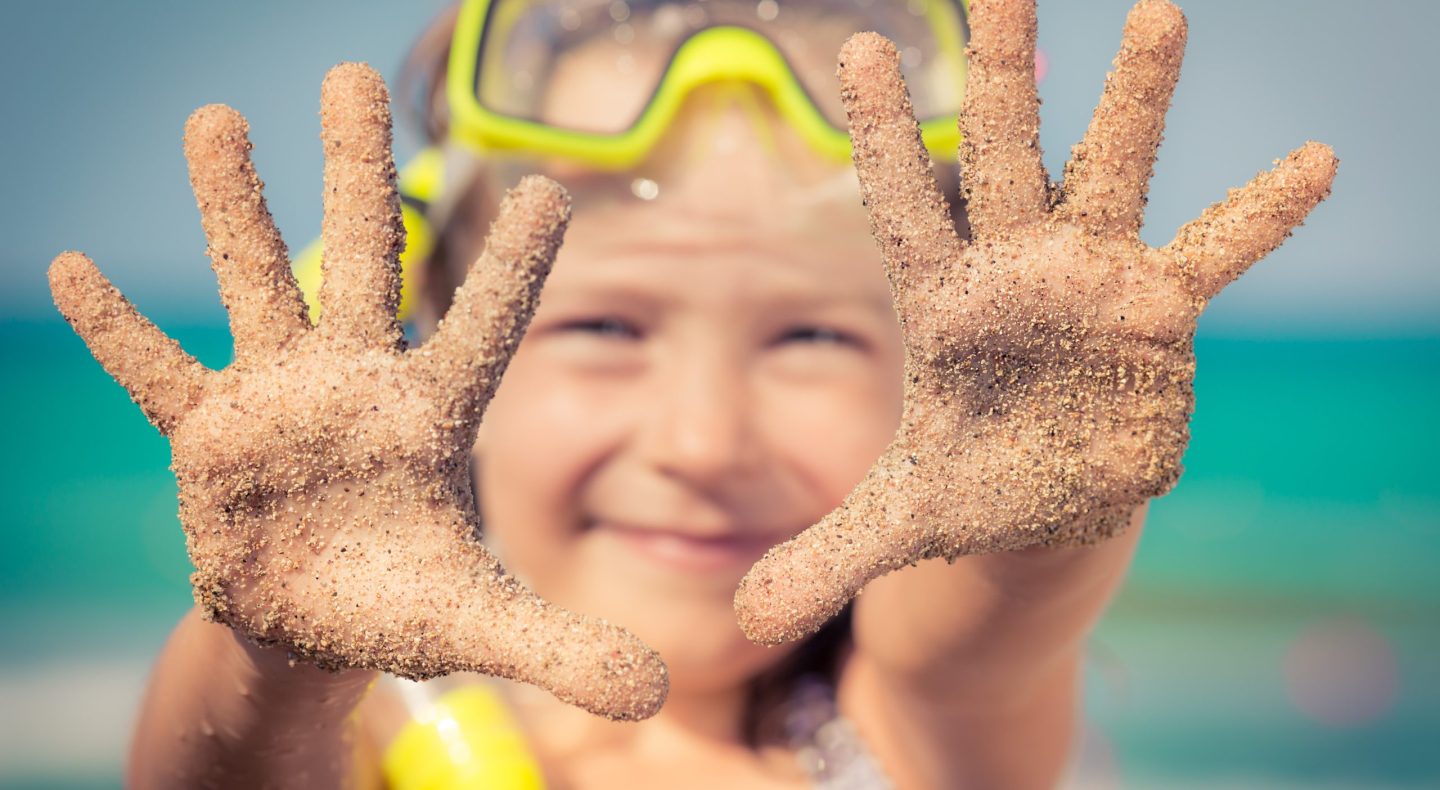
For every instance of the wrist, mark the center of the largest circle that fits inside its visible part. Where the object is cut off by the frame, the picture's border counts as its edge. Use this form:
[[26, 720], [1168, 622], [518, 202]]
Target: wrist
[[220, 711], [271, 676], [1051, 573]]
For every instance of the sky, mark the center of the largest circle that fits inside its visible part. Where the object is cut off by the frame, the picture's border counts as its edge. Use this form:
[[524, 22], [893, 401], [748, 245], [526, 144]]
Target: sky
[[100, 91]]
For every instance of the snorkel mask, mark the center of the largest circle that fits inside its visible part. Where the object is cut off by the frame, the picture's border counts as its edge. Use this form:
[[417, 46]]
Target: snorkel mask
[[653, 54]]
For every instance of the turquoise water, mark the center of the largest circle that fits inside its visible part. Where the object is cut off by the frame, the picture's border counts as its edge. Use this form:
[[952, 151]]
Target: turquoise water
[[1310, 494]]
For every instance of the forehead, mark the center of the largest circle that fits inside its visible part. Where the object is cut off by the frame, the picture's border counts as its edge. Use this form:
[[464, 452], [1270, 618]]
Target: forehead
[[687, 254]]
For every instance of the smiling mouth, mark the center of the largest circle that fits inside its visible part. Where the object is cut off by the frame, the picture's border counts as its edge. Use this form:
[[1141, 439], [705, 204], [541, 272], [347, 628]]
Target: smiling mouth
[[684, 551]]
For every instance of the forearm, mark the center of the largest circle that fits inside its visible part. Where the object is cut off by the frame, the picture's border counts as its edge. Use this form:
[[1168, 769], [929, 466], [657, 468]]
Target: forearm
[[1023, 743], [967, 675], [989, 625], [220, 712]]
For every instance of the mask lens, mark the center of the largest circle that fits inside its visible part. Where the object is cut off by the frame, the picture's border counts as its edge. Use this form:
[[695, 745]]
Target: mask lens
[[584, 65], [930, 34], [594, 65]]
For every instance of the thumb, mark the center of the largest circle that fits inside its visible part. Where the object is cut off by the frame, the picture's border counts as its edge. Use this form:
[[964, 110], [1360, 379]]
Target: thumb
[[511, 632], [802, 583], [477, 618]]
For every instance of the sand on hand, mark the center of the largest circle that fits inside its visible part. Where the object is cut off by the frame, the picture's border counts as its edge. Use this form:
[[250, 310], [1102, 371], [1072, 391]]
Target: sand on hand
[[323, 475]]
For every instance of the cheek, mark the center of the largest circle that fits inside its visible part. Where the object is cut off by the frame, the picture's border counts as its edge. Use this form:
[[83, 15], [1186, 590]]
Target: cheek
[[831, 431], [542, 435], [851, 436]]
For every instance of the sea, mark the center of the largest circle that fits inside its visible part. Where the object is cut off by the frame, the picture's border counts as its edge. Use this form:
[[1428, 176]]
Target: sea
[[1280, 626]]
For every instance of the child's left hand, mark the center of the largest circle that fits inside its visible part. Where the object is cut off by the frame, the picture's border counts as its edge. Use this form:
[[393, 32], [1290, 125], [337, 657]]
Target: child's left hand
[[1049, 357]]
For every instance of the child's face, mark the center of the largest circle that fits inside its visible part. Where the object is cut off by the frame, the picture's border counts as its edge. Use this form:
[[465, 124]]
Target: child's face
[[709, 372]]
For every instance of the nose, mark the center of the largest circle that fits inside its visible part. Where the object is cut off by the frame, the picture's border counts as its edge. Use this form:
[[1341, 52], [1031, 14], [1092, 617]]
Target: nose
[[700, 427]]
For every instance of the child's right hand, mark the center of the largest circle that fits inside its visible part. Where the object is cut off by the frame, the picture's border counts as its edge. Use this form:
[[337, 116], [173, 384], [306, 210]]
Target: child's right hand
[[324, 475]]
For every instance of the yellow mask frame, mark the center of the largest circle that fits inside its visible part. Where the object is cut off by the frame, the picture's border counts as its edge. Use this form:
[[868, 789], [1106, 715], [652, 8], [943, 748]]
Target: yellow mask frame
[[712, 55]]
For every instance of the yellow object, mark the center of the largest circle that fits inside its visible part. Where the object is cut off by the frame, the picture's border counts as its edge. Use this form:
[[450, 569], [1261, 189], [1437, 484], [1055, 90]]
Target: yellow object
[[717, 54], [466, 741], [714, 54], [420, 183]]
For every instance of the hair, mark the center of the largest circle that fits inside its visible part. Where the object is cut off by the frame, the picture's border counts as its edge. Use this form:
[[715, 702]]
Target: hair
[[421, 97]]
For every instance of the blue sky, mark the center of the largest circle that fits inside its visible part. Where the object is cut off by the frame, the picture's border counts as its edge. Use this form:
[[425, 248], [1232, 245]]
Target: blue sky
[[99, 91]]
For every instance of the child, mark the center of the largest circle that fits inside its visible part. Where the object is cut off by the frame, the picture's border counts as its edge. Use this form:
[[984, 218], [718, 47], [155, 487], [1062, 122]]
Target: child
[[716, 366]]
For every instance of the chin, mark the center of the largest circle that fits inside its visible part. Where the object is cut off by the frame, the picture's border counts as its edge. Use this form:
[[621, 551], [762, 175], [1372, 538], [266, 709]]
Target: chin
[[688, 616], [696, 635], [722, 660]]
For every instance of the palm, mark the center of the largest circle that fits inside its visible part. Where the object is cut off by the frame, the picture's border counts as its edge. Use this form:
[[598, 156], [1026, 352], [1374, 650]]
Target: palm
[[315, 496], [1059, 384], [1049, 356], [324, 483]]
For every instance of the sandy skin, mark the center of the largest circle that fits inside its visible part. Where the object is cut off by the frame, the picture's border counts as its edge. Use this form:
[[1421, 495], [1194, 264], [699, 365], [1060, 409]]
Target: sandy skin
[[1050, 356], [324, 483]]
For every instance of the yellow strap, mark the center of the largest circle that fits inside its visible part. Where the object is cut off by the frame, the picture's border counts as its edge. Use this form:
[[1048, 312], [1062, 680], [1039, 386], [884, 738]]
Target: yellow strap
[[467, 739], [420, 180]]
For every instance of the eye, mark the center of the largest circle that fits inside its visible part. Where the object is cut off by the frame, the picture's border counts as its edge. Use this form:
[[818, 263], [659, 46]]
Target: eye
[[819, 335], [608, 327]]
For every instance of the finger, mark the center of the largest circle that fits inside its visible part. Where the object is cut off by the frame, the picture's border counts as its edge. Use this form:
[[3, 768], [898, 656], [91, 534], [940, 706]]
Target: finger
[[1004, 180], [909, 216], [362, 234], [799, 585], [452, 609], [1109, 171], [582, 660], [249, 258], [161, 378], [472, 345], [1232, 235]]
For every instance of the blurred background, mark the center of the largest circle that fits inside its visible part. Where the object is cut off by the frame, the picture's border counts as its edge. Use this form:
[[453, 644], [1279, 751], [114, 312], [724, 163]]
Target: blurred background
[[1281, 626]]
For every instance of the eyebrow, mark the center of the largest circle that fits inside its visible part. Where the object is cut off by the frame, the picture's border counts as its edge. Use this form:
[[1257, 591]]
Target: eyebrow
[[627, 291]]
